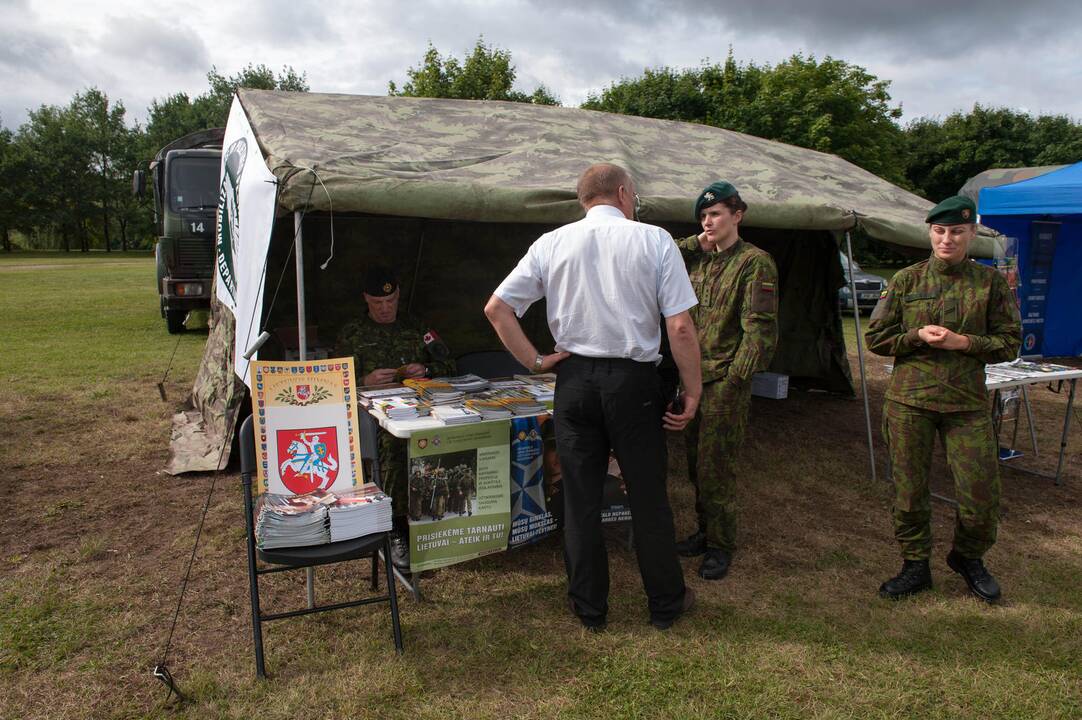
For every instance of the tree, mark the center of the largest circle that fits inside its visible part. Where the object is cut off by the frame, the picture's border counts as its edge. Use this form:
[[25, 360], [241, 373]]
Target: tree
[[827, 105], [9, 186], [943, 154], [215, 104], [178, 115], [486, 74], [108, 144], [58, 181]]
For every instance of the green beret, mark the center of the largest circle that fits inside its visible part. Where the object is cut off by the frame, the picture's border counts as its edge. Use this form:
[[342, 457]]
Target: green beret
[[712, 194], [380, 282], [957, 210]]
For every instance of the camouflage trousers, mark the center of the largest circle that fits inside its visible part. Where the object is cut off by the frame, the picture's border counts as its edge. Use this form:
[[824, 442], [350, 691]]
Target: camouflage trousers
[[394, 472], [970, 445], [713, 441]]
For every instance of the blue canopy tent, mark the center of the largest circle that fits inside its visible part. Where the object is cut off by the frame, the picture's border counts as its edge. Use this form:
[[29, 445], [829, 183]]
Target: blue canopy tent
[[1045, 215]]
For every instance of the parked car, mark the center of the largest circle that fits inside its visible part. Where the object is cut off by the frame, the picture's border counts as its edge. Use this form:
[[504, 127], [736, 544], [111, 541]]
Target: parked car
[[868, 287]]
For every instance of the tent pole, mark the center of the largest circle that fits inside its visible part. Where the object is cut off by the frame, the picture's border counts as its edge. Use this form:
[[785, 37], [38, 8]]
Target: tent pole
[[860, 351], [302, 354], [302, 327]]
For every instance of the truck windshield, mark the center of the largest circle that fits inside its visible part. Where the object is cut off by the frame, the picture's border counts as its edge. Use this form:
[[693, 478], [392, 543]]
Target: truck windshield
[[193, 183]]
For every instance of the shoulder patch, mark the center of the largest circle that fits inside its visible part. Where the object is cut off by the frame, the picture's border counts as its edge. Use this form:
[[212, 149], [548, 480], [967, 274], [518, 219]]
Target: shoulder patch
[[764, 297]]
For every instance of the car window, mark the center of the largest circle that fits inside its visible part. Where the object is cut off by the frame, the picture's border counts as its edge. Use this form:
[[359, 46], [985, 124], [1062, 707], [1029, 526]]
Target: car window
[[845, 262]]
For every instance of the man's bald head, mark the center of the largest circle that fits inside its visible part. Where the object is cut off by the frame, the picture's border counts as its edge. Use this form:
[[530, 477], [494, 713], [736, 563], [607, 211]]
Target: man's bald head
[[601, 183]]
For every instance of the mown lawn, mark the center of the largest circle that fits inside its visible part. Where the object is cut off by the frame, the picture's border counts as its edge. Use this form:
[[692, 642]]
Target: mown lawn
[[95, 539]]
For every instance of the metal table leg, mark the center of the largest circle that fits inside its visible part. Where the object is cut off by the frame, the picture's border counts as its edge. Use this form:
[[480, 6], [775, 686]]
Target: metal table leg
[[1066, 427]]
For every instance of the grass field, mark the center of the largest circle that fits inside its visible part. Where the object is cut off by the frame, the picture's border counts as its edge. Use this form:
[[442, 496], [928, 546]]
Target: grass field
[[95, 538]]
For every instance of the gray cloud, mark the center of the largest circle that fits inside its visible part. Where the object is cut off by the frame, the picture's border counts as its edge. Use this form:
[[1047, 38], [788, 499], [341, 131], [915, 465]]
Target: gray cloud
[[940, 56], [171, 46]]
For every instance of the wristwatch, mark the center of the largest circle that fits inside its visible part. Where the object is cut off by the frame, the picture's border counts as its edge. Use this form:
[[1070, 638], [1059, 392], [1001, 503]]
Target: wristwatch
[[537, 363]]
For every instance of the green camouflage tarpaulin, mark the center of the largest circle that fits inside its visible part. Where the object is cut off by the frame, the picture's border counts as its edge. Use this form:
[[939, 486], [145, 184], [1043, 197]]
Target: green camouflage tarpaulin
[[1002, 176], [509, 162]]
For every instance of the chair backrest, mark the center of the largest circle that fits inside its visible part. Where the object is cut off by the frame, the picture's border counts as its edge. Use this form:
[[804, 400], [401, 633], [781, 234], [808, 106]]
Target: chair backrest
[[369, 431], [490, 364], [247, 447]]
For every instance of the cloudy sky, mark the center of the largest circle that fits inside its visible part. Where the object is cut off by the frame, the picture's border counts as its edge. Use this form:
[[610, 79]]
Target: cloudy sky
[[940, 55]]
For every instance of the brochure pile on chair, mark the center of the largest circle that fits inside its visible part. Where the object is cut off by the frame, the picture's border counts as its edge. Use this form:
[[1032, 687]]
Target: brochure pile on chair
[[292, 520], [362, 512], [321, 517]]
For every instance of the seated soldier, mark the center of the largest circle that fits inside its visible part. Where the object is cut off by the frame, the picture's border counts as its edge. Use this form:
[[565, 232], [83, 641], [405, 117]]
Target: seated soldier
[[387, 347]]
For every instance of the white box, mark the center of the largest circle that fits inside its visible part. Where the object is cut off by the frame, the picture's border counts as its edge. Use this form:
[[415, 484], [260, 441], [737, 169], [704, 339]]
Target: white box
[[770, 385]]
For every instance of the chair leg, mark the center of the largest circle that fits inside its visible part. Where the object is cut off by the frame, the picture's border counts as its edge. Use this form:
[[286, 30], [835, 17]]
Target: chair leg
[[257, 617], [391, 594], [375, 571]]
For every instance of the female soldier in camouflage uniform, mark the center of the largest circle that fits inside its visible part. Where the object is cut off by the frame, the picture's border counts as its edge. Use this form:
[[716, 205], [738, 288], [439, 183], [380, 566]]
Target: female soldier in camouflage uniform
[[942, 320], [736, 284]]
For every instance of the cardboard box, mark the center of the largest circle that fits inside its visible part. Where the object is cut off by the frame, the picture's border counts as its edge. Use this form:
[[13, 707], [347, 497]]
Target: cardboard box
[[770, 385]]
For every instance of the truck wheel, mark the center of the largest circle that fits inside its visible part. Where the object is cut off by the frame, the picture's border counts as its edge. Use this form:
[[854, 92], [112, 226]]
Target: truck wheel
[[174, 320]]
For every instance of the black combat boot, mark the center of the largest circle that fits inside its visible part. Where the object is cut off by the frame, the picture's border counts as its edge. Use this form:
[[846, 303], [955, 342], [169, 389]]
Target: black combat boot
[[692, 545], [914, 577], [715, 564], [980, 581], [400, 549]]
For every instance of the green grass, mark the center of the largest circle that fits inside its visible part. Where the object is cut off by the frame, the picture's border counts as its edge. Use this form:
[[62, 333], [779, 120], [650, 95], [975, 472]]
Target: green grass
[[91, 322], [95, 540]]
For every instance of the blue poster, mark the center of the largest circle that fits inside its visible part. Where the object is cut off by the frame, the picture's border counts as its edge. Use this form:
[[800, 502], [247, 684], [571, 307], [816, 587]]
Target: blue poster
[[1037, 285], [531, 519]]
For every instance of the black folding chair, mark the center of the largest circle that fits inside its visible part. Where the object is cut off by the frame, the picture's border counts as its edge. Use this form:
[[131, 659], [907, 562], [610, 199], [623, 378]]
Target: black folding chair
[[283, 559]]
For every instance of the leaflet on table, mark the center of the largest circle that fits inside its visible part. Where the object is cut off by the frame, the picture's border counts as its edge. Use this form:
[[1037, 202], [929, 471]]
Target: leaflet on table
[[459, 493], [304, 426]]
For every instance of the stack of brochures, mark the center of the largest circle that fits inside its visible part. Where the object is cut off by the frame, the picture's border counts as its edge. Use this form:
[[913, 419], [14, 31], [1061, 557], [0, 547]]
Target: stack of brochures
[[292, 520], [367, 397], [455, 415], [402, 408], [466, 383], [435, 392], [489, 409], [522, 405], [363, 511]]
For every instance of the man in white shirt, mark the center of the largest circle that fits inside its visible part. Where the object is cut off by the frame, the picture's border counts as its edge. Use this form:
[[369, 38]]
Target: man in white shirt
[[608, 281]]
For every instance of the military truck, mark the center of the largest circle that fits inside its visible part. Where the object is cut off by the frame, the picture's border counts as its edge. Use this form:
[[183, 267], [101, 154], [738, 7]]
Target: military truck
[[185, 181]]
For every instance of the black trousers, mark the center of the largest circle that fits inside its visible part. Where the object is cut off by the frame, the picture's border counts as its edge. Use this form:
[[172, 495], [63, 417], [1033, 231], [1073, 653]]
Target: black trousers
[[615, 403]]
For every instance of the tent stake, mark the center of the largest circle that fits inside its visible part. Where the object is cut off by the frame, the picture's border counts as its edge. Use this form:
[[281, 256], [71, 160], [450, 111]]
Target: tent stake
[[860, 351], [302, 353]]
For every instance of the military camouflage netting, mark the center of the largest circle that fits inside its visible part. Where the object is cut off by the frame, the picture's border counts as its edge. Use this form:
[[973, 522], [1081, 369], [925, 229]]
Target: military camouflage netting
[[514, 162], [1002, 176]]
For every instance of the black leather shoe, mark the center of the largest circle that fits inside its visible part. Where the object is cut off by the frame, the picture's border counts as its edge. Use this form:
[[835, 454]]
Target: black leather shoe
[[980, 581], [689, 601], [400, 550], [692, 545], [914, 577], [594, 627], [715, 564]]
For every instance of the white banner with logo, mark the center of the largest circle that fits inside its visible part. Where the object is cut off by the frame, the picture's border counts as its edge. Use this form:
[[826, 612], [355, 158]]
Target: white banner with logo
[[245, 221]]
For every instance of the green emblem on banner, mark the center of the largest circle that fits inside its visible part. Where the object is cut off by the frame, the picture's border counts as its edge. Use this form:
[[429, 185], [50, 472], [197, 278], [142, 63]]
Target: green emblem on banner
[[229, 214]]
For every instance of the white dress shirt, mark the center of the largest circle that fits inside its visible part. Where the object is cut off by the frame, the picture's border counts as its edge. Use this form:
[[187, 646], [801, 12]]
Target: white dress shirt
[[607, 280]]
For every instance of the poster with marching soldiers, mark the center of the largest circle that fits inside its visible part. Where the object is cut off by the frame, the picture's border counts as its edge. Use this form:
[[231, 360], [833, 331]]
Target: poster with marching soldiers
[[459, 494]]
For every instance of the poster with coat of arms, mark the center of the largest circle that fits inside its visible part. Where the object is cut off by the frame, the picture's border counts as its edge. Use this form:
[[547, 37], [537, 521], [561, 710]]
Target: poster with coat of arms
[[305, 424]]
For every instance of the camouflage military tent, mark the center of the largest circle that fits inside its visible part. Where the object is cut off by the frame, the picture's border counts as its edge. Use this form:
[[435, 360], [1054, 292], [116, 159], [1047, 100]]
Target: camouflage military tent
[[452, 192]]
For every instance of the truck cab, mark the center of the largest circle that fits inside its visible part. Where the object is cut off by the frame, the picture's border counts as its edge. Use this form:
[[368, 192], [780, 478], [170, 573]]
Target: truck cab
[[185, 183]]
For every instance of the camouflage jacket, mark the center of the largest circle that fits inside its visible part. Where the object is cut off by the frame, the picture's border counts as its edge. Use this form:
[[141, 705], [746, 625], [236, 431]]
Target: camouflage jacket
[[968, 298], [373, 345], [737, 314]]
